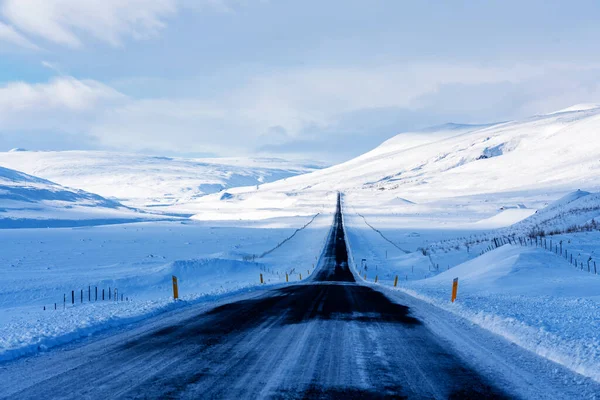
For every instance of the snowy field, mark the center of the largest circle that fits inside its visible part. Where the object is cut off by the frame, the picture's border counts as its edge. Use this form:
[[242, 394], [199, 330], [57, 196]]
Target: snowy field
[[424, 206], [530, 296], [39, 266]]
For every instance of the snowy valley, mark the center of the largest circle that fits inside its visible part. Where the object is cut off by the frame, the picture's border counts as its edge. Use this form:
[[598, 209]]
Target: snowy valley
[[422, 208]]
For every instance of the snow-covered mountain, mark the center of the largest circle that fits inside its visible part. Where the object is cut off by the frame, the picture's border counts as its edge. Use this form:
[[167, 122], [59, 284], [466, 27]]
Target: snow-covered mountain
[[575, 211], [28, 201], [140, 180], [544, 156], [559, 149]]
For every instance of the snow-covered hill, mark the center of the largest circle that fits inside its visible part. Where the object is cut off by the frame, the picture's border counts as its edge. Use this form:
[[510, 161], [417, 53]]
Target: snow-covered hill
[[140, 180], [560, 149], [524, 164], [28, 201], [575, 211]]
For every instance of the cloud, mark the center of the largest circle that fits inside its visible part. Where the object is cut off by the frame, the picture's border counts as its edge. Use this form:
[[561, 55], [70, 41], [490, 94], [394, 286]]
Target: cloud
[[173, 125], [65, 93], [62, 21], [52, 66], [66, 22], [328, 113], [10, 35], [64, 104]]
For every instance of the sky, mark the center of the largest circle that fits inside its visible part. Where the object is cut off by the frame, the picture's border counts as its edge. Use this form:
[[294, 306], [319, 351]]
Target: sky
[[323, 80]]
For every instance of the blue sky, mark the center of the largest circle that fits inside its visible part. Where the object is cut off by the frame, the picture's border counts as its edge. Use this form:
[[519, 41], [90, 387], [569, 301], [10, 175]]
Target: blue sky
[[326, 80]]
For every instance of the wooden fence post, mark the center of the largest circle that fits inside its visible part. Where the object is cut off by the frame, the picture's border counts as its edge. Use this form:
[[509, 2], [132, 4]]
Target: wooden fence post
[[176, 287], [588, 262]]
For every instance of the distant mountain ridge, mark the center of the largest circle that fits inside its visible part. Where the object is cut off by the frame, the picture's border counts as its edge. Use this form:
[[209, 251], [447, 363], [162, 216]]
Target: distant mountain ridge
[[533, 161], [29, 201], [142, 180]]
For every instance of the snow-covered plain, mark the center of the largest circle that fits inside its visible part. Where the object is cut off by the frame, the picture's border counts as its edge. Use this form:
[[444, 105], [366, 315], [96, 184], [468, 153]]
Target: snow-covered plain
[[38, 267], [423, 206]]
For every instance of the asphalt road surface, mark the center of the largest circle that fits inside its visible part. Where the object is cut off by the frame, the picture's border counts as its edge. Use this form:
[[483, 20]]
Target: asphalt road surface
[[328, 337]]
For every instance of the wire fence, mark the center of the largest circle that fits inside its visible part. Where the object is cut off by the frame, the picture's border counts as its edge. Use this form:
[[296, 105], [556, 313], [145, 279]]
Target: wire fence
[[542, 242], [90, 295]]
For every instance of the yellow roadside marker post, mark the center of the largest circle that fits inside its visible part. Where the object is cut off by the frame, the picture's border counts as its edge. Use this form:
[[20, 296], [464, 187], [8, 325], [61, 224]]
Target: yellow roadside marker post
[[396, 281], [287, 279], [175, 288], [300, 276], [261, 279], [454, 289]]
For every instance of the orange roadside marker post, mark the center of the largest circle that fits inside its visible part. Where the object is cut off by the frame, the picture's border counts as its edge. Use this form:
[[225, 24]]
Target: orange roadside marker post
[[454, 289], [396, 281], [175, 288], [261, 279]]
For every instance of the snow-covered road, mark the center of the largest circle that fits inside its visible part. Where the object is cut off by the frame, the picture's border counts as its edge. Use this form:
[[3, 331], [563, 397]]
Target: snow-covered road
[[328, 337]]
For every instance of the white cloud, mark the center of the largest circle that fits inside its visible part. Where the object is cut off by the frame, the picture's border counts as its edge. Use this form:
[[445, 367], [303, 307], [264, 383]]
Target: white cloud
[[10, 35], [66, 21], [297, 98], [52, 66], [53, 105], [177, 125], [62, 21], [294, 108]]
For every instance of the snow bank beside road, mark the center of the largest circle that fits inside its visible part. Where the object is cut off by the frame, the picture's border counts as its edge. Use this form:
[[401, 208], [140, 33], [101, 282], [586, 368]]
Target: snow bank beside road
[[532, 298], [203, 280], [39, 266]]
